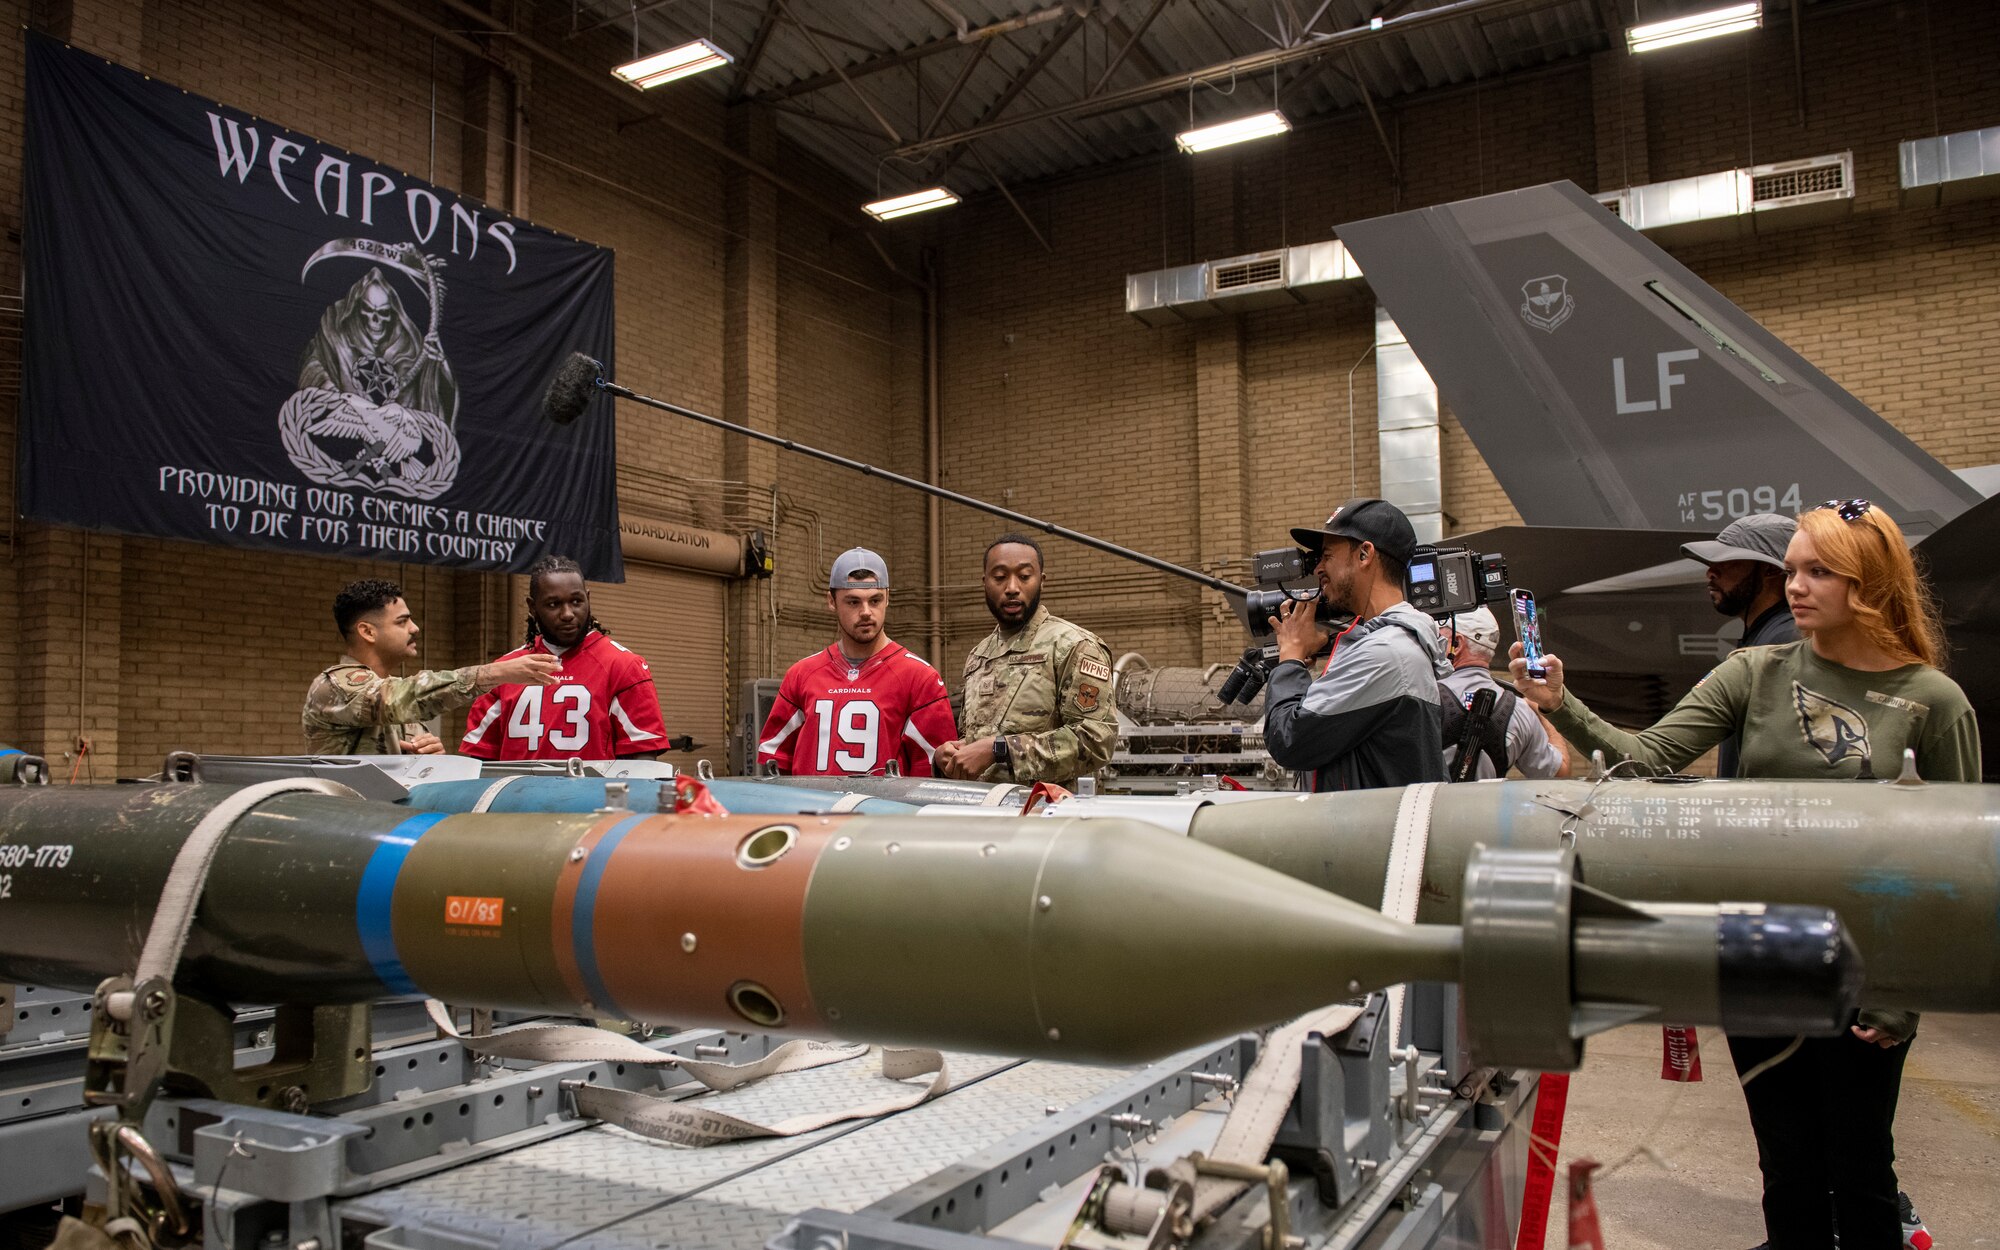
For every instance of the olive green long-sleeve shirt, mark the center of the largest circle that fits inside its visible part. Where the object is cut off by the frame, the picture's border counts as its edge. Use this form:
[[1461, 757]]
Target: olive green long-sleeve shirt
[[1799, 716], [1046, 688]]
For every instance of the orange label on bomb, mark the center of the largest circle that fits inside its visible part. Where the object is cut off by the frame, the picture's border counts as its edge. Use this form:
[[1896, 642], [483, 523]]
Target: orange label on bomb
[[464, 909]]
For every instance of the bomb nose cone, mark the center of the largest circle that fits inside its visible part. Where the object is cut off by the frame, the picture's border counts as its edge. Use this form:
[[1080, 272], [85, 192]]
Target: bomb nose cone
[[1785, 969]]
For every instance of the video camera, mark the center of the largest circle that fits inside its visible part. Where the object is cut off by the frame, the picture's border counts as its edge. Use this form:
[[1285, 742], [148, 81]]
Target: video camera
[[1443, 581]]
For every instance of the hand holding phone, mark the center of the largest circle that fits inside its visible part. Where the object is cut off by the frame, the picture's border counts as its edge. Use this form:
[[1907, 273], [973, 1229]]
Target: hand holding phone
[[1528, 628]]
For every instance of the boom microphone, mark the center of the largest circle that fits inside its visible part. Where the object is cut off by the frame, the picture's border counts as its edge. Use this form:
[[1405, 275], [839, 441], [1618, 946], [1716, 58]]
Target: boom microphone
[[570, 390]]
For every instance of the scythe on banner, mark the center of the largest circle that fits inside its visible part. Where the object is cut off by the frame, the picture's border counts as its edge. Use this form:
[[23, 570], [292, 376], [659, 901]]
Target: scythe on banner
[[405, 258]]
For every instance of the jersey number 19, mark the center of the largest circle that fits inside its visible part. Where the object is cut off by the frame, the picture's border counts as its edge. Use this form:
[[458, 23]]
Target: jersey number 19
[[857, 722]]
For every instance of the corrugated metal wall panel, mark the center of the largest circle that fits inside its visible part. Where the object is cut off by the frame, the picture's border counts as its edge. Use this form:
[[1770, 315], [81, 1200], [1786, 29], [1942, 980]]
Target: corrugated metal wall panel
[[674, 619]]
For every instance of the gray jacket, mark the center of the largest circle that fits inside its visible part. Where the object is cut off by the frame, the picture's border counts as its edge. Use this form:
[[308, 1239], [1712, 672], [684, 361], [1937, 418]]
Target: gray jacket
[[1372, 718]]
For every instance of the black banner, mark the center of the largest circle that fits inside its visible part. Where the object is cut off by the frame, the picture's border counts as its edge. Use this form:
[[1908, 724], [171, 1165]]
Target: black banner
[[239, 334]]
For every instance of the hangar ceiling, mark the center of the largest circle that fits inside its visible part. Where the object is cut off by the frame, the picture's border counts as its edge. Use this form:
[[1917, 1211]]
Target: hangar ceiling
[[901, 94]]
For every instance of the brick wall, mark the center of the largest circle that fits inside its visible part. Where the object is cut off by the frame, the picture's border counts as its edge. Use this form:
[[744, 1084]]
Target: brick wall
[[144, 646], [1085, 412], [1196, 443]]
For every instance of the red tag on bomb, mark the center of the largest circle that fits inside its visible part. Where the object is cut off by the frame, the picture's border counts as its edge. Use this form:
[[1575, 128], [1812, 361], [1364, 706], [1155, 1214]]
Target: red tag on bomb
[[1680, 1053]]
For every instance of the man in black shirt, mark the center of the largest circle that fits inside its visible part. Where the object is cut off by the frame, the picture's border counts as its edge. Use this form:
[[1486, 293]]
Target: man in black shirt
[[1746, 580]]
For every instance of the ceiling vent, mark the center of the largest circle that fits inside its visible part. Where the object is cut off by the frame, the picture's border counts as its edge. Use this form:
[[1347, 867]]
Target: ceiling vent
[[1215, 288], [1950, 169], [1737, 202]]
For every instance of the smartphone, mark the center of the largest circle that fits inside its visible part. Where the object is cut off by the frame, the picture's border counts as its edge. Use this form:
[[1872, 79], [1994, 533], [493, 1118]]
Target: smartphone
[[1528, 628]]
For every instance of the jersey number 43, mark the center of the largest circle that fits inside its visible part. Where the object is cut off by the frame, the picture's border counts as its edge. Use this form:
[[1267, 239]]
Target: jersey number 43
[[569, 709]]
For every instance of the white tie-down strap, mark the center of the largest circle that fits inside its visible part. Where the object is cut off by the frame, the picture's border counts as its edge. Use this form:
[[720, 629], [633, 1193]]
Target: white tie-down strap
[[1259, 1109], [849, 801], [492, 793], [175, 915], [680, 1122], [692, 1124], [1402, 886]]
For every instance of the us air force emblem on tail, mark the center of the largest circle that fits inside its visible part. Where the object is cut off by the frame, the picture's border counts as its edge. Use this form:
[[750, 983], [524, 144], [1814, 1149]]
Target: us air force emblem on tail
[[1546, 302]]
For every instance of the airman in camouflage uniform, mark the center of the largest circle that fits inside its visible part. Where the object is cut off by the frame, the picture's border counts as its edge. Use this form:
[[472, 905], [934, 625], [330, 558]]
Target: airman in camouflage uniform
[[350, 710], [356, 708], [1037, 689]]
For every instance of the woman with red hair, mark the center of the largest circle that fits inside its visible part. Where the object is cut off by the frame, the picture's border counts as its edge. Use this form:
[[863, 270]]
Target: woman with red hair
[[1862, 687]]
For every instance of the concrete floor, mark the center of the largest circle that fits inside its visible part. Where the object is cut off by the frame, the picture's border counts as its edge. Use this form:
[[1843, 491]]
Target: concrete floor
[[1697, 1189]]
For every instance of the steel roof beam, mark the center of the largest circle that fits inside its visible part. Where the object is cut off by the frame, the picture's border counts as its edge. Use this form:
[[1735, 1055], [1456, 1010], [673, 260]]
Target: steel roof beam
[[895, 136], [1035, 66], [1323, 45], [972, 63], [765, 26], [862, 69], [1131, 47]]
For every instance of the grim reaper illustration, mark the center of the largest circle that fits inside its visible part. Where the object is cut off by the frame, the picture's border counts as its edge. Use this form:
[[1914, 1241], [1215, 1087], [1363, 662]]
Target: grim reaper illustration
[[375, 390]]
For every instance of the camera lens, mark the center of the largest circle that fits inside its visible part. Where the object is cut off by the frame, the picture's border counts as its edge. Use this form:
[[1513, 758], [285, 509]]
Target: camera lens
[[1261, 606]]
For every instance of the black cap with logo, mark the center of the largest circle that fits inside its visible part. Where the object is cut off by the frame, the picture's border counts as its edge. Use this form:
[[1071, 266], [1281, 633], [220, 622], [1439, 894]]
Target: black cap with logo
[[1364, 521]]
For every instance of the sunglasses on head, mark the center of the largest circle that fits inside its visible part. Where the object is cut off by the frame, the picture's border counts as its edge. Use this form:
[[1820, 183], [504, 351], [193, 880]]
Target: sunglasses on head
[[1847, 509]]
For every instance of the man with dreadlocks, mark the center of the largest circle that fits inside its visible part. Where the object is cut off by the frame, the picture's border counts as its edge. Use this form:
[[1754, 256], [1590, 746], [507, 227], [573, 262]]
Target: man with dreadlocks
[[602, 706]]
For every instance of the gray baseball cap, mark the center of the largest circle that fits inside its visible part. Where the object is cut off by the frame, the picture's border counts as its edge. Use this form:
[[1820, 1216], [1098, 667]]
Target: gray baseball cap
[[858, 566], [1761, 536]]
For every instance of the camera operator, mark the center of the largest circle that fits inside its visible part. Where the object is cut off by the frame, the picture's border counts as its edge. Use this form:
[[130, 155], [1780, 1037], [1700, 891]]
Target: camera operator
[[1372, 718]]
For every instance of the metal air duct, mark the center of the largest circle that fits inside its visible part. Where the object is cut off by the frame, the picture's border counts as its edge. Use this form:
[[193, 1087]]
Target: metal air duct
[[1215, 288], [1949, 169], [1406, 431], [1738, 202]]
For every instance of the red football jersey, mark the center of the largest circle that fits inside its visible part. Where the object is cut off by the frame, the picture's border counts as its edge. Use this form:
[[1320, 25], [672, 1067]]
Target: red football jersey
[[602, 706], [833, 720]]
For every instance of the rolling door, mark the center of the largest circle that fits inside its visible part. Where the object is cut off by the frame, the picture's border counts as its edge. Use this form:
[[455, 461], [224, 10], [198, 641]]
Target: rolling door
[[674, 619]]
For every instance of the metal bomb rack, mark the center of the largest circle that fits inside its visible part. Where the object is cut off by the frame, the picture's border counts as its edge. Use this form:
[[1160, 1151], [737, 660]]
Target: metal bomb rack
[[446, 1151]]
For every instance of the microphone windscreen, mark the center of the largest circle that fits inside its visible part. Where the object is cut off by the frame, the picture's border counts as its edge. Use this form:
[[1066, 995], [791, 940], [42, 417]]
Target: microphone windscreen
[[570, 390]]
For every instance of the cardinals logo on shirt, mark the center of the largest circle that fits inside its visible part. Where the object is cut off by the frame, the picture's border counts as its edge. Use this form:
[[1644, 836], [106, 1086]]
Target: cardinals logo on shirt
[[1832, 728]]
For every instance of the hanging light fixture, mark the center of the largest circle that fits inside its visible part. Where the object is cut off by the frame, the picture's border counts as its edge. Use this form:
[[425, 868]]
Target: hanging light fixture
[[664, 67], [1242, 129], [1704, 25], [915, 202]]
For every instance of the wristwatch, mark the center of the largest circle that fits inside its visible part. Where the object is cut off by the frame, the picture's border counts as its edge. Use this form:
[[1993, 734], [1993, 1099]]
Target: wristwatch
[[1000, 753]]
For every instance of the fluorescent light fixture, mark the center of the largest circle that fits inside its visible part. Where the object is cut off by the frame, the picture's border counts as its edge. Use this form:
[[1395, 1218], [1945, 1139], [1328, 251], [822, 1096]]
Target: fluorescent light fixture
[[904, 205], [663, 67], [1255, 126], [1724, 21]]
